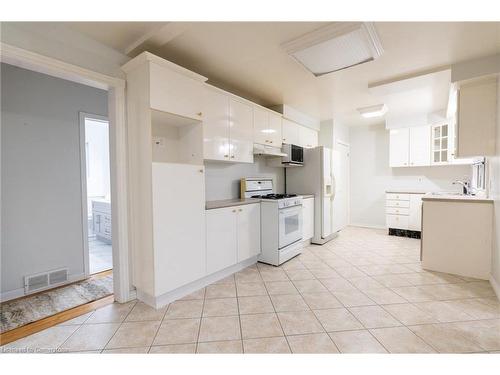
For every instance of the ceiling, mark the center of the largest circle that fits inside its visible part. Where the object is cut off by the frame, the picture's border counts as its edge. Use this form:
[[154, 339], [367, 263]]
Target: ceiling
[[247, 59]]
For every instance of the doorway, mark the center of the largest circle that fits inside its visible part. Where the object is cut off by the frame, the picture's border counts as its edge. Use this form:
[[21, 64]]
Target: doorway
[[96, 193]]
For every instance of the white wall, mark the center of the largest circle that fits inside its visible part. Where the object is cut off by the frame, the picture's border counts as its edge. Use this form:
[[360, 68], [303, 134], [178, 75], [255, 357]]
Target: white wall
[[222, 180], [495, 194], [40, 174], [371, 175]]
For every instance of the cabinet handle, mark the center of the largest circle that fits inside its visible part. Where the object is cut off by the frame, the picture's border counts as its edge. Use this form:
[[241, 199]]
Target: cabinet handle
[[200, 114], [232, 156], [201, 171], [241, 209], [226, 156], [234, 210]]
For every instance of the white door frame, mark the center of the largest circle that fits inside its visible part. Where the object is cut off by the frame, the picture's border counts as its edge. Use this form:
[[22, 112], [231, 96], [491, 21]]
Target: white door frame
[[348, 173], [83, 172], [118, 146]]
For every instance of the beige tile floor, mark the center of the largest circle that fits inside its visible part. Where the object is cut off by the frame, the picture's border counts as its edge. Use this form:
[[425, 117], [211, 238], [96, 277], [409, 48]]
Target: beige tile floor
[[363, 292]]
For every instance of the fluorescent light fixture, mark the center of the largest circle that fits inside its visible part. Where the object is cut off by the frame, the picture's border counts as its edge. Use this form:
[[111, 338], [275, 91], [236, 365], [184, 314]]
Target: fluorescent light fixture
[[373, 111], [268, 131], [335, 47]]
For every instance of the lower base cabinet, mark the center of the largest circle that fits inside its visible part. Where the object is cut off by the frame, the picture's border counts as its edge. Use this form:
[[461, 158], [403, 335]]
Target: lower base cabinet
[[404, 211], [233, 235]]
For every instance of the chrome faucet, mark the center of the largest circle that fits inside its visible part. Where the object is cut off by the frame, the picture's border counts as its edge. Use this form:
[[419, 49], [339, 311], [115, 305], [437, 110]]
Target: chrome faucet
[[466, 190]]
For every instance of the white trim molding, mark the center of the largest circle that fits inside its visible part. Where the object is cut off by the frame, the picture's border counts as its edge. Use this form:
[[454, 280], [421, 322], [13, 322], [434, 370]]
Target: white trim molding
[[118, 146], [495, 285]]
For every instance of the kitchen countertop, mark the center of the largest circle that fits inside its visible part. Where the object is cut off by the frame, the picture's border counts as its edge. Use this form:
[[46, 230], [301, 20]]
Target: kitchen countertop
[[407, 191], [210, 205], [455, 198]]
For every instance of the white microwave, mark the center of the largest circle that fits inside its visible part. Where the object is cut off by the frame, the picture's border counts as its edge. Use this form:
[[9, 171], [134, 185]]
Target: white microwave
[[294, 154]]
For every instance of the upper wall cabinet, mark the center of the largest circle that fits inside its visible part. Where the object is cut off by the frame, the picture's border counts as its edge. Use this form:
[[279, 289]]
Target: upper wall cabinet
[[308, 138], [266, 127], [476, 118], [420, 146], [215, 125], [410, 147], [399, 147], [290, 132], [227, 127], [240, 131]]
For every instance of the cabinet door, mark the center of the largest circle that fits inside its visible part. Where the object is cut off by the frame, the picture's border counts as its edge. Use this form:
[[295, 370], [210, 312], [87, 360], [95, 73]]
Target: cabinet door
[[307, 218], [175, 93], [476, 122], [420, 146], [248, 231], [261, 126], [222, 242], [215, 125], [290, 132], [415, 219], [399, 146], [308, 137], [274, 129], [178, 225], [241, 131]]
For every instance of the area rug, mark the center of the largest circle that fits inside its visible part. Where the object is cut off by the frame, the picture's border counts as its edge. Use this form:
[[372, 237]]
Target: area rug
[[19, 312]]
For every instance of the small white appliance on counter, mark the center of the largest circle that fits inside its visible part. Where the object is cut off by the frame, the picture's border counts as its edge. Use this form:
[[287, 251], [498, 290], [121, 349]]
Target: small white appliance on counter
[[281, 220], [317, 178]]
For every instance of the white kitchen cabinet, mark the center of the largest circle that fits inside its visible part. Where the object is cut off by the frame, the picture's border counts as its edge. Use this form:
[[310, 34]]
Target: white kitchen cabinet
[[178, 192], [307, 218], [174, 92], [415, 213], [399, 147], [404, 211], [240, 131], [308, 137], [215, 125], [290, 132], [267, 127], [222, 238], [233, 235], [248, 231], [441, 143], [420, 146], [476, 118]]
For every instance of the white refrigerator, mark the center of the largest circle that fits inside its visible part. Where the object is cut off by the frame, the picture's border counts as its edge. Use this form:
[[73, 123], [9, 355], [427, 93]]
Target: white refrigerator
[[315, 177]]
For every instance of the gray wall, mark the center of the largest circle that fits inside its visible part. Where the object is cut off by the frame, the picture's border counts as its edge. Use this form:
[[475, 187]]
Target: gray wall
[[222, 180], [371, 176], [40, 182]]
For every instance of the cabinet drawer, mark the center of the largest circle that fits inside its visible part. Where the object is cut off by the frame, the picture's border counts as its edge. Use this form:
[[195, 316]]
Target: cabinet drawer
[[397, 221], [394, 203], [397, 211], [397, 196]]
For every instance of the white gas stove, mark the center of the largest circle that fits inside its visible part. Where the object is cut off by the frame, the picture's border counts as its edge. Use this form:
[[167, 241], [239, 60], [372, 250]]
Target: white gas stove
[[281, 220]]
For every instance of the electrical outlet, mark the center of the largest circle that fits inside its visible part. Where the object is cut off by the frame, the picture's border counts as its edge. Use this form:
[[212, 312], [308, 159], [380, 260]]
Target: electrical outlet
[[159, 142]]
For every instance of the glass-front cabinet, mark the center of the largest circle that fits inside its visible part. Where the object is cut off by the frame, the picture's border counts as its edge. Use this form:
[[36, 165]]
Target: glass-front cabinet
[[441, 144]]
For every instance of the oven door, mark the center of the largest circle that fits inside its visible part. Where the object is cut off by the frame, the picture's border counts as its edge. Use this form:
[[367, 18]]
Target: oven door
[[290, 225]]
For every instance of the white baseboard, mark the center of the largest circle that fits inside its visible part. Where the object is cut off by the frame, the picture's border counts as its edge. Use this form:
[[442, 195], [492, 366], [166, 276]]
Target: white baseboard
[[496, 286], [16, 293], [164, 299], [368, 226]]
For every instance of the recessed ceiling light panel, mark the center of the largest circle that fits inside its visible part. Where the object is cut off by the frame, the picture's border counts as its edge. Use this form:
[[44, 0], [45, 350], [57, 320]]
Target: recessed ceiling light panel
[[335, 47], [373, 111]]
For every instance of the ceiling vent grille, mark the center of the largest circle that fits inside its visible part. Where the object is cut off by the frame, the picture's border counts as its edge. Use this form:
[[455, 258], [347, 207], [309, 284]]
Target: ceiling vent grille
[[44, 280], [335, 47]]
